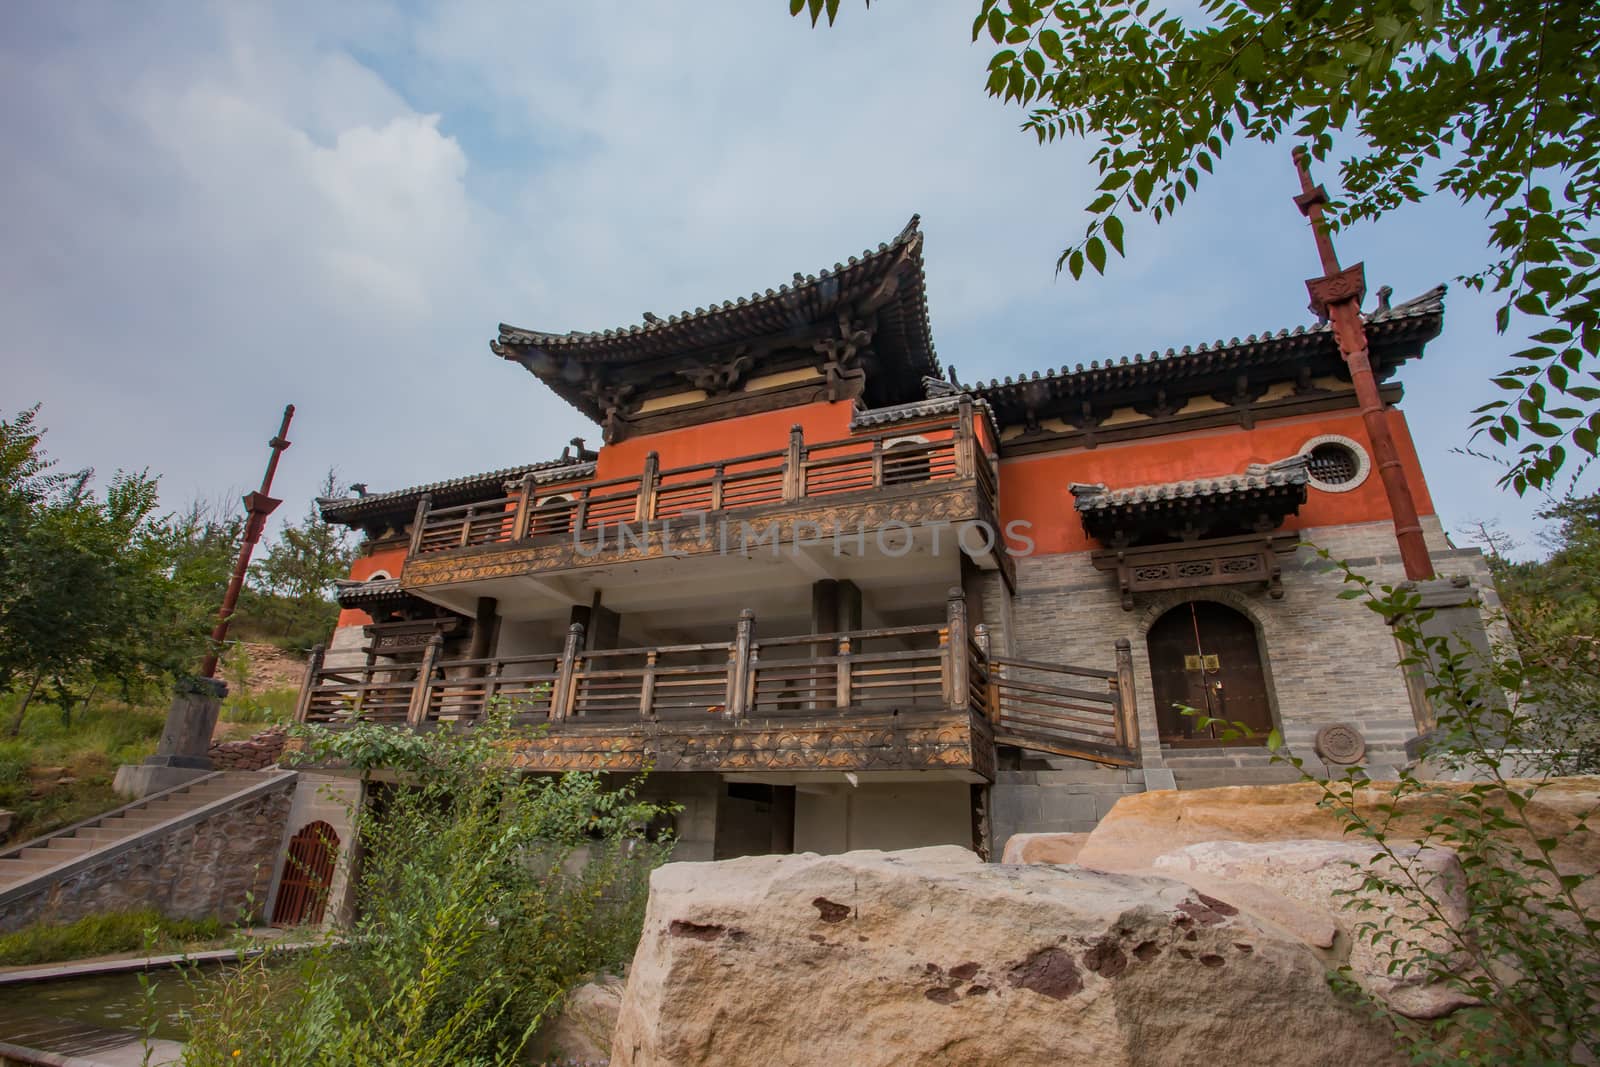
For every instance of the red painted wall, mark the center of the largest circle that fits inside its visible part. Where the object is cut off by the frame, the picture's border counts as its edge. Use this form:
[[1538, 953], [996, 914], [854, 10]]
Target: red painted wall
[[1034, 488], [767, 431], [389, 560]]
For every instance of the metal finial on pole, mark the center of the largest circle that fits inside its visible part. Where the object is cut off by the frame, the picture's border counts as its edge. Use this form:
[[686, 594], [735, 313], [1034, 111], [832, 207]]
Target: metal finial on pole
[[1336, 296], [258, 505]]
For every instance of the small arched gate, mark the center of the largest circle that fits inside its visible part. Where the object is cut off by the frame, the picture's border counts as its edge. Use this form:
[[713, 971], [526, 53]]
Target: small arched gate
[[307, 876]]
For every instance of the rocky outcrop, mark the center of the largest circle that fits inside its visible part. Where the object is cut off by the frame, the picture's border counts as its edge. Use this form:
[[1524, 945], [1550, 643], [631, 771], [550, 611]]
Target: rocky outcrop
[[1275, 853], [582, 1031], [931, 957]]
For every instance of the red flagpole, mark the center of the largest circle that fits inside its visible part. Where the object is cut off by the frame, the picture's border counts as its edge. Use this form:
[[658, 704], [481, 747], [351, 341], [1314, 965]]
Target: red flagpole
[[1336, 296], [258, 505]]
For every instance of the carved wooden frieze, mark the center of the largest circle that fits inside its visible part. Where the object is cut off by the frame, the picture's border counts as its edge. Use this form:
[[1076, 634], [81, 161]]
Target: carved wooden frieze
[[927, 740], [775, 530], [1251, 560]]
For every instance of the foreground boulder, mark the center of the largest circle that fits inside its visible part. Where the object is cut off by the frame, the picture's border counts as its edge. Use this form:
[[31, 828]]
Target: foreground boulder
[[581, 1032], [929, 956]]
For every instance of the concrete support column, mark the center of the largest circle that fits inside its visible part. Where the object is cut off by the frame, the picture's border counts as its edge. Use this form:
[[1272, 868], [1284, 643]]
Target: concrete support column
[[182, 755], [483, 626]]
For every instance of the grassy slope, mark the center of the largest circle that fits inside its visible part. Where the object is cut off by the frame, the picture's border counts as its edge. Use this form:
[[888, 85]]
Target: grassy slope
[[56, 774], [107, 934]]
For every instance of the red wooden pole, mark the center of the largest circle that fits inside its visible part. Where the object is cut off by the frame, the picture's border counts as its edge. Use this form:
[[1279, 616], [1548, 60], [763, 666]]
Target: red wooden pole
[[258, 505], [1337, 296]]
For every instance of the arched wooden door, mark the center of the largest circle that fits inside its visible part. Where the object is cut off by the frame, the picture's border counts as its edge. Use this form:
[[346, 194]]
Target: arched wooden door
[[1206, 656], [307, 876]]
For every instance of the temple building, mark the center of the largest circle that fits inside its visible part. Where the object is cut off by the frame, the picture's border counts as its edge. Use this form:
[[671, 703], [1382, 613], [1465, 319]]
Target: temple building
[[831, 597]]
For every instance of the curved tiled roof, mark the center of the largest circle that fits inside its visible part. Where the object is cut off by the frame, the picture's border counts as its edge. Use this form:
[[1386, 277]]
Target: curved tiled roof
[[903, 329], [1285, 473], [1271, 491], [1415, 320], [352, 510]]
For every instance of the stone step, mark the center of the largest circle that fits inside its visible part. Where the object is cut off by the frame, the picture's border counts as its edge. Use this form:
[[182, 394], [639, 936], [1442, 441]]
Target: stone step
[[1213, 778], [1111, 776], [70, 844]]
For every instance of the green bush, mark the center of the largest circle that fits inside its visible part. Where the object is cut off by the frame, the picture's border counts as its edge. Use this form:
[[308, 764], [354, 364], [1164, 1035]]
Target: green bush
[[1527, 956], [104, 935], [484, 895]]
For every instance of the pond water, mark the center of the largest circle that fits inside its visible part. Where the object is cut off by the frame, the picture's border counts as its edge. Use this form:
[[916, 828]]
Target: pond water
[[101, 1001]]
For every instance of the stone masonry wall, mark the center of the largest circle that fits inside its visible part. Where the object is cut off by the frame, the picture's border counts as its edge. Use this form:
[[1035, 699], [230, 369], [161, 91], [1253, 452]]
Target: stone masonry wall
[[255, 754], [1327, 660], [219, 866]]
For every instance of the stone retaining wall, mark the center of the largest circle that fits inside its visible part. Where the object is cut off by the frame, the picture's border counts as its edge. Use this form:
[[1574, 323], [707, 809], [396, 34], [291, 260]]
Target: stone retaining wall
[[219, 865], [256, 754]]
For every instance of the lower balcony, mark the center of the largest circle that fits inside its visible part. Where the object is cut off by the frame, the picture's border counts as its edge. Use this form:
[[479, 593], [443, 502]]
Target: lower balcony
[[906, 698]]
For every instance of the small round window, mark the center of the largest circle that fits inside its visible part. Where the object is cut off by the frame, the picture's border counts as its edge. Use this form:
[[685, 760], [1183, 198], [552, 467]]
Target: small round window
[[1335, 464]]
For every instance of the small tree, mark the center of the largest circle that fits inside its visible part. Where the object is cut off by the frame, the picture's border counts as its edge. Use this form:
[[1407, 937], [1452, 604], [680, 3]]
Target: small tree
[[299, 569]]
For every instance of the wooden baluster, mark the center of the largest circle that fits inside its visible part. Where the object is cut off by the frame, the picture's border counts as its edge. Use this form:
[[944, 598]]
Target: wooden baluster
[[980, 637], [794, 465], [877, 463], [1127, 705], [957, 686], [313, 667], [739, 665], [565, 691], [580, 515], [647, 686], [519, 525], [645, 507], [424, 503], [750, 682], [841, 692], [422, 689], [466, 524], [966, 440], [716, 488]]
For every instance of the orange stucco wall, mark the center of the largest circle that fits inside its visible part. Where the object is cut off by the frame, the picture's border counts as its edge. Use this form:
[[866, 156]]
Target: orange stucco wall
[[708, 442], [389, 561], [1034, 488]]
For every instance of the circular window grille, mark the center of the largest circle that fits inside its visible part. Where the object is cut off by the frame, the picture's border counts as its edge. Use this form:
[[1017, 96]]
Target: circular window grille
[[1335, 464]]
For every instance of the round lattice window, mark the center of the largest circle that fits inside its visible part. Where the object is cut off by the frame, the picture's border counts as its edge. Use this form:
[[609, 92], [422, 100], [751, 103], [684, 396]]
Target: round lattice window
[[1335, 464]]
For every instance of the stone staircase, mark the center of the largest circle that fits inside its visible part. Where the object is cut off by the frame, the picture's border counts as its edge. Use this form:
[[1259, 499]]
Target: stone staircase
[[1210, 768], [46, 857]]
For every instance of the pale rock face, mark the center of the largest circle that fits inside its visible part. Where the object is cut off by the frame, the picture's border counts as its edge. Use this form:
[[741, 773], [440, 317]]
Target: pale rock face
[[583, 1029], [1043, 848], [930, 957], [1307, 881]]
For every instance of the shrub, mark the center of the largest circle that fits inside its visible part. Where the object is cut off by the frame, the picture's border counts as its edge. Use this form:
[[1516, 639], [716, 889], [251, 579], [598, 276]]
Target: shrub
[[484, 894], [1528, 954], [103, 935]]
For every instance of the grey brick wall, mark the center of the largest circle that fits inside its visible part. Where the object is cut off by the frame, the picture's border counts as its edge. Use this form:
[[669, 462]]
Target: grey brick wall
[[1327, 660]]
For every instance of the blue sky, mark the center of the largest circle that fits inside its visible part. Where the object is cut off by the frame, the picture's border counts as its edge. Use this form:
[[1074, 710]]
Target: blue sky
[[212, 210]]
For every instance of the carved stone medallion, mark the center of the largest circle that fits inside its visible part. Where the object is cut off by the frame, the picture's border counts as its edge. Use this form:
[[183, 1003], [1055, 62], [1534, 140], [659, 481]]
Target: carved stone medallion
[[1340, 743]]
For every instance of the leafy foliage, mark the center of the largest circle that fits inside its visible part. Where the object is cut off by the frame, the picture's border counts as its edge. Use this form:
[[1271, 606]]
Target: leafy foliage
[[484, 895], [103, 934], [90, 588], [294, 577], [1494, 104], [1527, 957]]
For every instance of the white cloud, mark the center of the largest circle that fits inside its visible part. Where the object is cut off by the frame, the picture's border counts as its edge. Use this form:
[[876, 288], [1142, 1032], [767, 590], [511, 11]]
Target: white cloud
[[210, 211]]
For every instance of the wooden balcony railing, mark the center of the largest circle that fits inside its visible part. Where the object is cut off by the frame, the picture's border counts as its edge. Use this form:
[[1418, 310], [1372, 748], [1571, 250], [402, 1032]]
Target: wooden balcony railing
[[1081, 711], [861, 464]]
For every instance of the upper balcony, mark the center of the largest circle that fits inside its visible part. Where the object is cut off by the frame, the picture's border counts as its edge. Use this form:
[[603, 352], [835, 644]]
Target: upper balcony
[[919, 473], [906, 698]]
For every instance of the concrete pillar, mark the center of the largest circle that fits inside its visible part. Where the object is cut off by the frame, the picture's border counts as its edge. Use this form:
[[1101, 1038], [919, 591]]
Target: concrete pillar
[[182, 755], [835, 606], [483, 624]]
